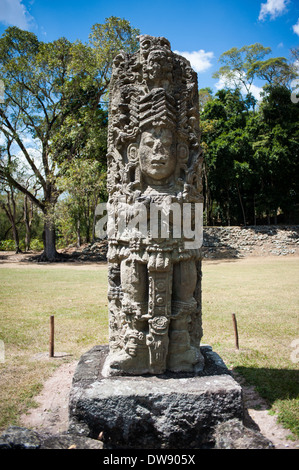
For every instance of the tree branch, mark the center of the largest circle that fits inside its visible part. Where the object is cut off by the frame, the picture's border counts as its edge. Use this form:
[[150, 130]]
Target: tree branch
[[7, 177], [16, 137]]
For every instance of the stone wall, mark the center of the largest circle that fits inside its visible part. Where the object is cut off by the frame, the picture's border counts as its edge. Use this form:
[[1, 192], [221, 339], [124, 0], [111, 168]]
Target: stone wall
[[260, 240]]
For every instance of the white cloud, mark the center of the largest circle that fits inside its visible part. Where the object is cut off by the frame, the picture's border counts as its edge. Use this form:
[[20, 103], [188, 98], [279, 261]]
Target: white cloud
[[296, 27], [13, 12], [200, 60], [254, 89], [273, 8]]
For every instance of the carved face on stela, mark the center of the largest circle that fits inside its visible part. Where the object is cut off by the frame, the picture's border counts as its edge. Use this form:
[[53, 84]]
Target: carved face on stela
[[158, 155]]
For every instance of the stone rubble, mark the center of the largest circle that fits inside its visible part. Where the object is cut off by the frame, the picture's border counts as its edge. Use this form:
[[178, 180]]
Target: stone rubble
[[259, 240]]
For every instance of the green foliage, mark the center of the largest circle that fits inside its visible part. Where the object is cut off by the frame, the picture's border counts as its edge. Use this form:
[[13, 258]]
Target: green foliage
[[110, 38], [36, 245], [84, 183], [7, 245], [276, 71], [239, 65], [251, 160]]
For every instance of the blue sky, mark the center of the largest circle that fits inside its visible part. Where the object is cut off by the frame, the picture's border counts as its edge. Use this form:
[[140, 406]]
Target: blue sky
[[199, 29]]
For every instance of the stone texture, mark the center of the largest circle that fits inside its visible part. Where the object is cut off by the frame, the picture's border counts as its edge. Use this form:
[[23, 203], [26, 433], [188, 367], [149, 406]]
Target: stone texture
[[171, 410], [70, 441], [16, 437], [154, 160], [233, 434]]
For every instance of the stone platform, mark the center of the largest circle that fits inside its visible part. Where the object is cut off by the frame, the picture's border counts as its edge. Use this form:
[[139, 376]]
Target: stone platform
[[162, 412]]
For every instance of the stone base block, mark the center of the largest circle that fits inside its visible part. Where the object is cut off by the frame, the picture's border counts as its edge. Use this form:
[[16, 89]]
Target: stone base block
[[168, 411]]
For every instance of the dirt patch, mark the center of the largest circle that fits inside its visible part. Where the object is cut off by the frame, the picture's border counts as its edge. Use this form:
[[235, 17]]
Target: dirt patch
[[51, 415]]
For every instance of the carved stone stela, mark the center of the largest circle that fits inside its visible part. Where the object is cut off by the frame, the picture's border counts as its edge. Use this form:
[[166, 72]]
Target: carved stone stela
[[154, 157]]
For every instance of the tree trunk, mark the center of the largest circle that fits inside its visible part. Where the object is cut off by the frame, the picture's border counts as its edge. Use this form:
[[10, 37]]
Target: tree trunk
[[49, 238], [28, 216], [49, 235], [79, 241], [241, 204], [94, 220], [10, 210], [15, 233], [227, 214], [87, 219], [268, 218]]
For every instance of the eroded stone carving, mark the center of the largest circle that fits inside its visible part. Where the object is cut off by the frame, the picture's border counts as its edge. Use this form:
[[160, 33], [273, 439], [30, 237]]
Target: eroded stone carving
[[154, 161]]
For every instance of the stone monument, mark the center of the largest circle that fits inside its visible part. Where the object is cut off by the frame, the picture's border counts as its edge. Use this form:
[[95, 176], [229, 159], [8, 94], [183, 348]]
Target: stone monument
[[154, 162], [155, 386]]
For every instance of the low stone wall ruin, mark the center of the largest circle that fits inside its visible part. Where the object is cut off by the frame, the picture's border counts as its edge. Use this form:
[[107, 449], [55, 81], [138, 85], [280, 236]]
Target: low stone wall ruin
[[259, 240]]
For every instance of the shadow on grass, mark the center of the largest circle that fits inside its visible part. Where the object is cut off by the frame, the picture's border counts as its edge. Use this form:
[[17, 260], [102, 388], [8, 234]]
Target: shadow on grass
[[272, 384]]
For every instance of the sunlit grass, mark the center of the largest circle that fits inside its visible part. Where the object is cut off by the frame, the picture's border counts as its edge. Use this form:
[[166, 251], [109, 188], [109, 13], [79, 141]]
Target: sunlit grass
[[264, 295], [76, 296]]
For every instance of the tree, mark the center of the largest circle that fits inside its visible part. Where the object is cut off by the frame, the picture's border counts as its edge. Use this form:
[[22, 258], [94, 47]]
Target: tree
[[238, 69], [275, 71], [9, 204], [242, 66], [276, 153], [37, 102], [205, 95], [84, 190], [47, 86], [227, 150], [251, 159]]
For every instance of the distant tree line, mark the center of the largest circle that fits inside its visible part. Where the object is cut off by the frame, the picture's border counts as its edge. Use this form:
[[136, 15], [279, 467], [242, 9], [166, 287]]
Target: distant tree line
[[53, 128], [251, 148]]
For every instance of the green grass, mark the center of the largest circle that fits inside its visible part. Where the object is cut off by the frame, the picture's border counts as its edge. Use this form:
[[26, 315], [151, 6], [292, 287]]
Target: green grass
[[75, 295], [264, 295], [262, 292]]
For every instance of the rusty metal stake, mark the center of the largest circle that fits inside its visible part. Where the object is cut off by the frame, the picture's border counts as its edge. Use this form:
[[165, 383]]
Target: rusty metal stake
[[236, 330], [51, 349]]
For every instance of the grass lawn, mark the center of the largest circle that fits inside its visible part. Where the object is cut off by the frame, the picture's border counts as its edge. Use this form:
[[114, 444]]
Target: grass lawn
[[264, 295], [29, 294], [262, 292]]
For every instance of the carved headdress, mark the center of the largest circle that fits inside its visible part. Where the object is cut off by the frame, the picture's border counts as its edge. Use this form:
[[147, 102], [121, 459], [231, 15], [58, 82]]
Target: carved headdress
[[153, 88]]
